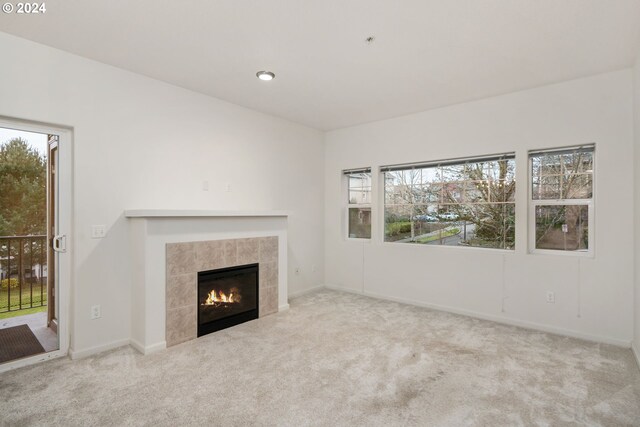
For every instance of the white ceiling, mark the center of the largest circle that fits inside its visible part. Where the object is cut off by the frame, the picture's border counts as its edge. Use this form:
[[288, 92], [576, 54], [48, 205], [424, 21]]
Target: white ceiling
[[427, 53]]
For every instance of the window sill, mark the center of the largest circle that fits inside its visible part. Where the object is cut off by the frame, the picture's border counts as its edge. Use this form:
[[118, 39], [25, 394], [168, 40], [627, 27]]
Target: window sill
[[551, 252], [454, 248], [357, 239]]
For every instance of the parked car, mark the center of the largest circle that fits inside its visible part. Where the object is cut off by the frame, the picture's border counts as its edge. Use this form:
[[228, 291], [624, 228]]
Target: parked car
[[427, 218], [448, 216]]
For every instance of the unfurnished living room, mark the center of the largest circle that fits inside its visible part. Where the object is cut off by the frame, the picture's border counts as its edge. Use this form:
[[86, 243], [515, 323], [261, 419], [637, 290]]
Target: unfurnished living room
[[330, 213]]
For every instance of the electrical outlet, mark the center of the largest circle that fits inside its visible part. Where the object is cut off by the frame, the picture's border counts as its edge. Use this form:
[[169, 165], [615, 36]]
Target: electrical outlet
[[98, 231], [205, 185], [227, 187], [551, 297], [95, 312]]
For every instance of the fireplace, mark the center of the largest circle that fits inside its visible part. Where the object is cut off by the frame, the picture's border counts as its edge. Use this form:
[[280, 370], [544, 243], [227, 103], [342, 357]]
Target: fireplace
[[185, 260], [227, 297]]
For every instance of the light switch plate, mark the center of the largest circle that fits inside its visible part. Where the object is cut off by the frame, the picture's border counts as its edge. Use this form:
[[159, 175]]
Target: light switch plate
[[98, 231]]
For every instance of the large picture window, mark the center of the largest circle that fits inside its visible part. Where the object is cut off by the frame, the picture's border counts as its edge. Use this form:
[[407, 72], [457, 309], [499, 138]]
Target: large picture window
[[463, 202], [562, 199], [359, 203]]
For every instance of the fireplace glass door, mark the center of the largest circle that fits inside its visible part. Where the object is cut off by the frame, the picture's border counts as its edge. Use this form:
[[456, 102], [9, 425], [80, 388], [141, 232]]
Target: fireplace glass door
[[227, 297]]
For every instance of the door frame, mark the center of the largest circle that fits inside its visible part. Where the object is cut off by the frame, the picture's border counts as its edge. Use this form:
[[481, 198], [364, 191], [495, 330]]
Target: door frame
[[64, 267]]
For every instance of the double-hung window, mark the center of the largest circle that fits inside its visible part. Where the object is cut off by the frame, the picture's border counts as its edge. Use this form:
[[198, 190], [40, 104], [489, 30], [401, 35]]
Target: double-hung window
[[561, 203], [358, 203], [458, 202]]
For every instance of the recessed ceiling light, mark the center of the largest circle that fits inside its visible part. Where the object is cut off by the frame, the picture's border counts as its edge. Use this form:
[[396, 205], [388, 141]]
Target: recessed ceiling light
[[265, 75]]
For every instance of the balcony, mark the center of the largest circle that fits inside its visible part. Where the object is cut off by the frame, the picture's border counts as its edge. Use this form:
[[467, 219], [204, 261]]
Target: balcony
[[23, 275]]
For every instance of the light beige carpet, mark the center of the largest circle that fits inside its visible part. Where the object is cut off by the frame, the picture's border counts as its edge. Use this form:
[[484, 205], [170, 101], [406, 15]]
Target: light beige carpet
[[338, 359]]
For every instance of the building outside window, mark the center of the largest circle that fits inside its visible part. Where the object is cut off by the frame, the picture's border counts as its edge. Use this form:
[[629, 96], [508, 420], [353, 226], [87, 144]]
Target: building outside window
[[459, 202]]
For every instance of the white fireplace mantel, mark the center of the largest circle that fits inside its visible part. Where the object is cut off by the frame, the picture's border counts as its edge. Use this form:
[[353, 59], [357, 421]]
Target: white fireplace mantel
[[150, 230]]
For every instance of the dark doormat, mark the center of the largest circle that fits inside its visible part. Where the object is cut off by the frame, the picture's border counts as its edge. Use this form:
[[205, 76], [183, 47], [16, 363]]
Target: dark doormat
[[17, 342]]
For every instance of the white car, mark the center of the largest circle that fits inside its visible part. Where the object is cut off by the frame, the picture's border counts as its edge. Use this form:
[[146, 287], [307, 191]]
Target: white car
[[428, 218], [448, 216]]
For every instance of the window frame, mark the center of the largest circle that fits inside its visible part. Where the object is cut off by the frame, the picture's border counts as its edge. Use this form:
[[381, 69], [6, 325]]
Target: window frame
[[511, 155], [346, 174], [534, 203]]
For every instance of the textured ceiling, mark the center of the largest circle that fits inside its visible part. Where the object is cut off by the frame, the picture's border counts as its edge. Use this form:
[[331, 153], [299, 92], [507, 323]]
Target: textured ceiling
[[426, 53]]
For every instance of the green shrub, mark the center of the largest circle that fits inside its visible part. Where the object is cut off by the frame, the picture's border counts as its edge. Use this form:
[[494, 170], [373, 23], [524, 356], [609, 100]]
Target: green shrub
[[13, 282], [397, 228]]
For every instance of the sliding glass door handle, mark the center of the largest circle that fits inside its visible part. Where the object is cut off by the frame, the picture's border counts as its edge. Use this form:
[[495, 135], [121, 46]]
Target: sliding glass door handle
[[59, 243]]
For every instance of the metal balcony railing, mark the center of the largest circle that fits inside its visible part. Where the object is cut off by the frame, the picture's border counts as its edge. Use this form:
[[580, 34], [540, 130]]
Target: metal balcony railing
[[23, 272]]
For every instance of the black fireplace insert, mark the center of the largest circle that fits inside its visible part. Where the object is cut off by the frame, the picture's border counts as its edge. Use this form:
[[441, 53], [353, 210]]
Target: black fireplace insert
[[227, 297]]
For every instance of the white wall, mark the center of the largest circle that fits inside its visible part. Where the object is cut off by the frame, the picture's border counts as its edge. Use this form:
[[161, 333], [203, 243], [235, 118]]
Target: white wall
[[140, 143], [636, 186], [593, 295]]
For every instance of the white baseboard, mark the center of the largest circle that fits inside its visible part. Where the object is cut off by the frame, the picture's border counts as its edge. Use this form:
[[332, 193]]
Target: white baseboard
[[153, 348], [79, 354], [498, 319], [306, 291], [636, 352], [283, 307]]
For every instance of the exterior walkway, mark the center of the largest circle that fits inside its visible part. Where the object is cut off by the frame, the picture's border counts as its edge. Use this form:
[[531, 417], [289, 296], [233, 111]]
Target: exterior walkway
[[38, 324]]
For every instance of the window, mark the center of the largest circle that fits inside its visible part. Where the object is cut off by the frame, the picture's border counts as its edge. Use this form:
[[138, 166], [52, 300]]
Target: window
[[359, 203], [562, 199], [468, 202]]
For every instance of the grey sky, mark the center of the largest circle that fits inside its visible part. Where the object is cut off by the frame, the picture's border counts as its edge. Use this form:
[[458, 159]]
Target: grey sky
[[36, 140]]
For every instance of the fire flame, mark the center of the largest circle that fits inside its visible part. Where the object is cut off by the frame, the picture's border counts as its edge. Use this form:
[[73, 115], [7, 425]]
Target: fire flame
[[219, 296]]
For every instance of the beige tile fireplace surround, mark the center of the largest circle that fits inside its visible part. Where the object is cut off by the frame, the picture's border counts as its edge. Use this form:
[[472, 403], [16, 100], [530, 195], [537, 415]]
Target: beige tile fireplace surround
[[185, 259]]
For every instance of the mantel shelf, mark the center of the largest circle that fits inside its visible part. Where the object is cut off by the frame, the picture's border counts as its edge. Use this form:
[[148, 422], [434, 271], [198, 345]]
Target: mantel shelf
[[178, 213]]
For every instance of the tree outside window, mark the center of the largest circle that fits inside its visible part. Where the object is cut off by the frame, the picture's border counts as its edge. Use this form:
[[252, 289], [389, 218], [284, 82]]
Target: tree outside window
[[468, 203]]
